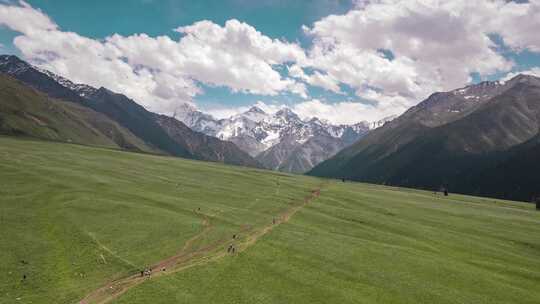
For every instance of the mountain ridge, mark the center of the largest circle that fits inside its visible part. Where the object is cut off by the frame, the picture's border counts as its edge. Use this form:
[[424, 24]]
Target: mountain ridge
[[430, 147], [127, 113], [275, 138]]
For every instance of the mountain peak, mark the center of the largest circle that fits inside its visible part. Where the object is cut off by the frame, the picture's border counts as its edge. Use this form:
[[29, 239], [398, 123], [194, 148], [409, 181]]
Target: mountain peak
[[524, 78], [14, 64], [286, 113], [186, 107], [255, 109], [315, 120], [11, 58]]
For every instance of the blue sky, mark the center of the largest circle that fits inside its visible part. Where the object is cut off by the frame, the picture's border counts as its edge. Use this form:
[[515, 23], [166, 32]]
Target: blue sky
[[371, 59], [101, 18], [276, 19]]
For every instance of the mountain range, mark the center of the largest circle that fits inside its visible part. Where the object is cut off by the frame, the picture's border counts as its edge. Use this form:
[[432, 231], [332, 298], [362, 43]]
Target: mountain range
[[482, 139], [281, 140], [41, 104]]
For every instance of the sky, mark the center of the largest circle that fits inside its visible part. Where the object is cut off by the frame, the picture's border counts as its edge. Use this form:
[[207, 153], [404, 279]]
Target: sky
[[341, 60]]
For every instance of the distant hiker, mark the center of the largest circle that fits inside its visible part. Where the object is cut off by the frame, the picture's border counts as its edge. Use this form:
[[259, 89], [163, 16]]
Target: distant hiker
[[230, 249], [538, 203], [233, 250], [142, 273], [445, 192], [199, 209], [234, 236], [163, 269], [273, 221], [343, 180], [24, 277]]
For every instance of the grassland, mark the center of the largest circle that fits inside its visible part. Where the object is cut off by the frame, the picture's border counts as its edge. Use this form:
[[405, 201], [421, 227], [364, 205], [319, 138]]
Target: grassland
[[74, 219]]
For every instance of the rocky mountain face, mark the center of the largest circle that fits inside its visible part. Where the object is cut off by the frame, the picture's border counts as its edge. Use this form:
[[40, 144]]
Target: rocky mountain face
[[205, 147], [159, 134], [464, 139], [280, 141]]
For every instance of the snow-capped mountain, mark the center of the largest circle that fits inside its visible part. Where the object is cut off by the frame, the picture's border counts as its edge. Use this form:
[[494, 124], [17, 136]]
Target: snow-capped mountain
[[121, 120], [44, 80], [82, 89], [278, 140]]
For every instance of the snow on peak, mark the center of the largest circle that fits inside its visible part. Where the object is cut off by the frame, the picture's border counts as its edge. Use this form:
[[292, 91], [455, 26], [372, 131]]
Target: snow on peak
[[267, 130], [82, 89], [255, 114], [255, 109], [14, 65]]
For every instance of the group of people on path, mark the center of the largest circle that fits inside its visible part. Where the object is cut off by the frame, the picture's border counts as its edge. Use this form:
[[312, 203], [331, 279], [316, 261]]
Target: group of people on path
[[146, 272]]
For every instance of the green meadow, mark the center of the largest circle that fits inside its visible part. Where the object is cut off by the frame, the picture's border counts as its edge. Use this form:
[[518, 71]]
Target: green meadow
[[77, 221]]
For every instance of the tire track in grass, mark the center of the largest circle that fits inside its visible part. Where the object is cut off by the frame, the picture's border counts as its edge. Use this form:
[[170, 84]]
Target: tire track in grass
[[187, 258], [109, 251]]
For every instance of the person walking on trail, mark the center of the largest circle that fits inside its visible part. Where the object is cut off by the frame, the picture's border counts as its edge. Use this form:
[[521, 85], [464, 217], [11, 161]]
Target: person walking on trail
[[273, 221], [142, 273]]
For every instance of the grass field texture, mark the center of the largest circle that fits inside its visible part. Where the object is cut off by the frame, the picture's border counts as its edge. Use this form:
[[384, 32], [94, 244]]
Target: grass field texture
[[75, 220]]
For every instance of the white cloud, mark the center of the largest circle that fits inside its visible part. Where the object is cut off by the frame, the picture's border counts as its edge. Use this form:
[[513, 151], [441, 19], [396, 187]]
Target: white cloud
[[390, 52], [221, 112], [24, 18], [315, 79], [533, 72], [158, 72], [434, 45], [346, 112], [518, 25]]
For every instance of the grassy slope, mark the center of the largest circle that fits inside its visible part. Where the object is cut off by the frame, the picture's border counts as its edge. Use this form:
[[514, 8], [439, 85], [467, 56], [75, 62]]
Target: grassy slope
[[60, 203], [455, 154], [25, 111], [367, 244], [355, 244]]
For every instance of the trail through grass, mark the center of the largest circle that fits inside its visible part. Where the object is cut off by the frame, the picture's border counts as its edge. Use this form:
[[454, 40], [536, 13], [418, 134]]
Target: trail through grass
[[74, 218]]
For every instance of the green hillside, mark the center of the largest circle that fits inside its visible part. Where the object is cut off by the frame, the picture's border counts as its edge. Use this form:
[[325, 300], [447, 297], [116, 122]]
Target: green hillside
[[81, 222], [465, 151], [27, 112]]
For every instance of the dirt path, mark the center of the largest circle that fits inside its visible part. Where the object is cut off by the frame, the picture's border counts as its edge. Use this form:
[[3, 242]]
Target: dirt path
[[188, 257]]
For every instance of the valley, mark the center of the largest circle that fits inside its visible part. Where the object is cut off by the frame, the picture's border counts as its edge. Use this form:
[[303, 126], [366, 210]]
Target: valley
[[270, 152], [461, 140], [76, 217]]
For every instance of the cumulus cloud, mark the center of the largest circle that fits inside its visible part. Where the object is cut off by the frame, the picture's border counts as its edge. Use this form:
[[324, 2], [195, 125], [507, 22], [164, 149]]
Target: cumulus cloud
[[24, 18], [158, 72], [533, 72], [346, 112], [391, 53], [405, 50], [518, 25]]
